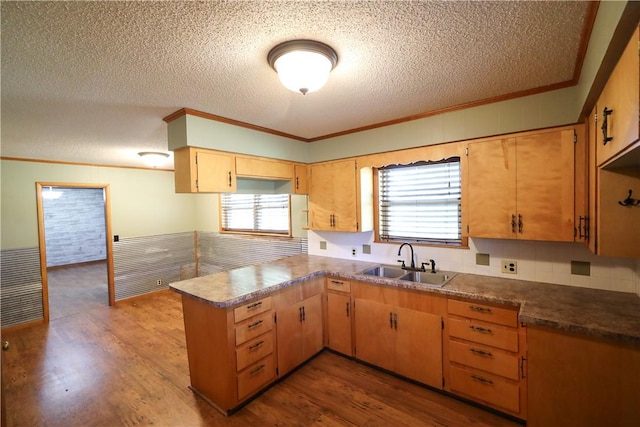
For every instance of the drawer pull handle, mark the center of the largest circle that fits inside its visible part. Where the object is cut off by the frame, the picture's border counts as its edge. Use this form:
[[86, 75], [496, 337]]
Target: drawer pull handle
[[482, 353], [255, 324], [256, 345], [480, 329], [480, 309], [254, 305], [256, 370], [337, 282], [482, 380]]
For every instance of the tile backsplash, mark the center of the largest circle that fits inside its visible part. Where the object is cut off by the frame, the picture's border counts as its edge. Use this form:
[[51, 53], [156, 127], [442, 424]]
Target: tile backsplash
[[548, 262]]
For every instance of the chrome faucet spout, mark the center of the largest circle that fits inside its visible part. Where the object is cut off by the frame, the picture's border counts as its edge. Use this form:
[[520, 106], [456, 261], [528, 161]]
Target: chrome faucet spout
[[413, 263]]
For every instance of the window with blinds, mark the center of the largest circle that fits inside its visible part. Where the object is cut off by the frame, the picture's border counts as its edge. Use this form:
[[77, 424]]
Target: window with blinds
[[420, 202], [255, 213]]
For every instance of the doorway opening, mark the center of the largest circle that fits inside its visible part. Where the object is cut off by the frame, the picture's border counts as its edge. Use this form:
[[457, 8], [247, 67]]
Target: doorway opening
[[76, 254]]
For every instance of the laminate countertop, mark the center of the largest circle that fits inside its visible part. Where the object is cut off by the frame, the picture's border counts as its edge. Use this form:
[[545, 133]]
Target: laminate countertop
[[614, 316]]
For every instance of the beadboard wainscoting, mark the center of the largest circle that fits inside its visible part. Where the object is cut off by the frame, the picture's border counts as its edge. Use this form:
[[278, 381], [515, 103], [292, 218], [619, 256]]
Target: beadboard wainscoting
[[219, 252], [149, 263], [20, 286]]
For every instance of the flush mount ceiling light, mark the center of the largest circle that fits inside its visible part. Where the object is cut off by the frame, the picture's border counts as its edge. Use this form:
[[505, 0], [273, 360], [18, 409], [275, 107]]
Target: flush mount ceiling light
[[152, 158], [303, 66]]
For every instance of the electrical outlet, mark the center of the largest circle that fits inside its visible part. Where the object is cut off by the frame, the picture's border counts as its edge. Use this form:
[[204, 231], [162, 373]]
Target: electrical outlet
[[159, 282], [354, 252], [509, 266]]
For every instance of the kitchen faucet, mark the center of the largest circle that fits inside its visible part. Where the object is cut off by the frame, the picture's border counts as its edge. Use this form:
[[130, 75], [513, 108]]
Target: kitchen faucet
[[413, 264], [433, 265]]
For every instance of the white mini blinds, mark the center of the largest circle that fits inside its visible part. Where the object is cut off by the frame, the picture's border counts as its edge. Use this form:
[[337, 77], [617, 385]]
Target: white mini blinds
[[420, 202], [255, 213]]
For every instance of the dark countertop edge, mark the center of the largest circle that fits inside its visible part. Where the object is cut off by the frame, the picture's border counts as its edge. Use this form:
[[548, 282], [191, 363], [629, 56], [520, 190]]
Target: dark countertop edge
[[605, 334]]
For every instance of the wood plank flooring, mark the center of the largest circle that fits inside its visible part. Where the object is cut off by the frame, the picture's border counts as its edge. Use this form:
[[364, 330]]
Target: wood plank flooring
[[127, 365]]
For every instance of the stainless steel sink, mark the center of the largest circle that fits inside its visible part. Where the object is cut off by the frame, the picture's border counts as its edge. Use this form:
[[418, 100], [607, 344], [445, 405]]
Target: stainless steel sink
[[387, 271], [438, 279]]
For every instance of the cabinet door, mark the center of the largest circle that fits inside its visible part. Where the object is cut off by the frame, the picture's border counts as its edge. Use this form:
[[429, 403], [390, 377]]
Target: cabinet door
[[216, 172], [418, 352], [492, 191], [333, 197], [621, 95], [289, 338], [375, 336], [301, 179], [545, 186], [339, 322], [311, 326]]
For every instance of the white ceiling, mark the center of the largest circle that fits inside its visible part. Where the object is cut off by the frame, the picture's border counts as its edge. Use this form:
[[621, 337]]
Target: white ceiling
[[91, 81]]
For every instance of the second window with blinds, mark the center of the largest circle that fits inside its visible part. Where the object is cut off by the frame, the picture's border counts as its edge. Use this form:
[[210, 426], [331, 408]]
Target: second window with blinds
[[420, 203], [255, 214]]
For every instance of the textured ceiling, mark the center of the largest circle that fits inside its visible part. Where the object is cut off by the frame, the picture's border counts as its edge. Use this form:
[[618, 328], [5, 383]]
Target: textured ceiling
[[91, 81]]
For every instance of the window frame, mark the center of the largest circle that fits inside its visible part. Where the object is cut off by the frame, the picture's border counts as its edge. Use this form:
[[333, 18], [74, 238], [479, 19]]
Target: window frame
[[463, 244], [289, 233]]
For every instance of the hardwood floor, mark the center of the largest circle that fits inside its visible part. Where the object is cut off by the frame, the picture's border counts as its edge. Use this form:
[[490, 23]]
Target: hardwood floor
[[127, 365], [76, 288]]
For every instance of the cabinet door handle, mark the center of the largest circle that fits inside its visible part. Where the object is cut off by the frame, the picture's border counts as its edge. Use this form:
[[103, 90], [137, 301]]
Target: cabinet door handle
[[256, 345], [482, 380], [255, 324], [304, 315], [395, 321], [229, 179], [479, 352], [254, 305], [256, 370], [480, 309], [522, 369], [604, 128], [519, 223], [348, 309], [480, 329], [391, 320], [297, 183], [513, 223], [300, 314]]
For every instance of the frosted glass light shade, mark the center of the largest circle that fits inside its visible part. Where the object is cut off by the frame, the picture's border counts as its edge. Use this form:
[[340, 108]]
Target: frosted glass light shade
[[153, 159], [303, 66]]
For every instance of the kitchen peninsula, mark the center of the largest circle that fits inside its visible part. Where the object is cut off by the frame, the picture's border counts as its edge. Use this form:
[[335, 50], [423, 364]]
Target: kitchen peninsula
[[246, 328]]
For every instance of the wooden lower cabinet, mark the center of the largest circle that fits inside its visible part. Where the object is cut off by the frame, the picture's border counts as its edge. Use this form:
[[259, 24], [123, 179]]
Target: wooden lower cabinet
[[299, 332], [339, 337], [398, 338], [580, 381], [230, 351], [485, 356]]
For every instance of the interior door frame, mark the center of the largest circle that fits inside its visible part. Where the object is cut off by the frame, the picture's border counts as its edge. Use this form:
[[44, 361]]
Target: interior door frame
[[42, 244]]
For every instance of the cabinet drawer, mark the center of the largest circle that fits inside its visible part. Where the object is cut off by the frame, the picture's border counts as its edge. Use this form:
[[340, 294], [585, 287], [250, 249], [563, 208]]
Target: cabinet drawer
[[485, 358], [251, 309], [256, 376], [338, 285], [253, 351], [253, 327], [486, 313], [487, 388], [484, 333]]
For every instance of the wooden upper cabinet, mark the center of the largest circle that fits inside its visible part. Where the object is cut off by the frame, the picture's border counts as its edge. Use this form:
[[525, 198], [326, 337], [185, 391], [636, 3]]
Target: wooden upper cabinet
[[258, 167], [492, 188], [333, 196], [204, 171], [523, 187], [621, 95], [301, 179]]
